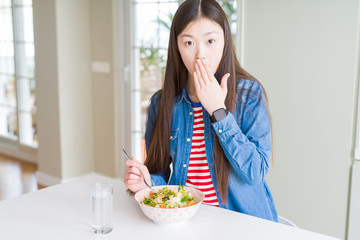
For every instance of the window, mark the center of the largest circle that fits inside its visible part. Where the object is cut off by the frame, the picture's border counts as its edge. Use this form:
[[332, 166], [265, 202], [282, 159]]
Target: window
[[17, 68], [149, 43], [152, 21]]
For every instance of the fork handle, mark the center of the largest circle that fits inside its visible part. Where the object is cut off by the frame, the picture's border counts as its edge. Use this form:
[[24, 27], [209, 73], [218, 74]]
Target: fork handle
[[146, 182]]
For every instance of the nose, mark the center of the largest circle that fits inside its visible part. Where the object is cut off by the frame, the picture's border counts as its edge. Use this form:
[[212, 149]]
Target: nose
[[201, 52]]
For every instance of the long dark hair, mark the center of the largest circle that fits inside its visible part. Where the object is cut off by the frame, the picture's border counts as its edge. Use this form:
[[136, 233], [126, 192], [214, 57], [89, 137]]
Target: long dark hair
[[176, 76]]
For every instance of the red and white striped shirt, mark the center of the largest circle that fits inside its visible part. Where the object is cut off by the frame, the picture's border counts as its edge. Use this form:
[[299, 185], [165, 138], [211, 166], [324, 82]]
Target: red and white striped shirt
[[198, 172]]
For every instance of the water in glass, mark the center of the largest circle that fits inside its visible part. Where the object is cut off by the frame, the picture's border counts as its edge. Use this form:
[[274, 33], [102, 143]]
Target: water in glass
[[102, 208]]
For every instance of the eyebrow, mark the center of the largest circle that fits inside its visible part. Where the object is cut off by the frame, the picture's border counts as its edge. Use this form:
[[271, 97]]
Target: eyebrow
[[208, 33]]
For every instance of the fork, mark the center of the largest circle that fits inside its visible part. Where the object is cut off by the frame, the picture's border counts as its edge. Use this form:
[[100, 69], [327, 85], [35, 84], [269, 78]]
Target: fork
[[141, 173]]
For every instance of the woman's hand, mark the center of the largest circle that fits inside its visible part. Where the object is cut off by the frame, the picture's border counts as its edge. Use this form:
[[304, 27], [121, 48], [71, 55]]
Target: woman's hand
[[133, 179], [210, 93]]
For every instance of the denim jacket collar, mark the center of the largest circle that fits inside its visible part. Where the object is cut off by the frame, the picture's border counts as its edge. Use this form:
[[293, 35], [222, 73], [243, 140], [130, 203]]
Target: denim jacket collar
[[182, 97]]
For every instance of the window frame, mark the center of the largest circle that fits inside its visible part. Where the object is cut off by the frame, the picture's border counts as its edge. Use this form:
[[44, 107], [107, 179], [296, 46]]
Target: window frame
[[15, 146]]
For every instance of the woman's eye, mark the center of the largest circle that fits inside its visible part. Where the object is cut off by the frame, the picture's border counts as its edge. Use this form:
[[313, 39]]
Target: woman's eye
[[211, 41], [189, 43]]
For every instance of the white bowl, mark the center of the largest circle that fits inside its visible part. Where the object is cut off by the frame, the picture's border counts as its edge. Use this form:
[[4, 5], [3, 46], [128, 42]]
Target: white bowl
[[169, 216]]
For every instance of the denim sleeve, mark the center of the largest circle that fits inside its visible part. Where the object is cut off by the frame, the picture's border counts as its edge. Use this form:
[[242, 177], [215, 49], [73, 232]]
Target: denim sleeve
[[246, 139], [151, 115], [157, 179]]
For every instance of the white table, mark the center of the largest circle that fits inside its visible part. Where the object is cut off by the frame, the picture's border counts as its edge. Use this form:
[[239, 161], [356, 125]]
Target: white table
[[64, 212]]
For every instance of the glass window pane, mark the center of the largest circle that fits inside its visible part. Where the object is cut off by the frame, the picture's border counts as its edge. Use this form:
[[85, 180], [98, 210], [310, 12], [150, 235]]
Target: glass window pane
[[166, 14], [155, 1], [146, 25], [8, 122], [148, 59], [27, 111], [25, 60], [7, 49], [162, 61], [22, 2], [6, 25], [33, 93], [7, 91], [26, 94], [27, 121], [24, 26], [151, 80], [17, 91], [5, 3], [7, 65], [229, 8], [27, 2], [153, 23], [152, 26], [153, 63]]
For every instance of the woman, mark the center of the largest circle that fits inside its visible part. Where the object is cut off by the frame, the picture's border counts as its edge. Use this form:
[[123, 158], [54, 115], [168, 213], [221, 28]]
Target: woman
[[210, 121]]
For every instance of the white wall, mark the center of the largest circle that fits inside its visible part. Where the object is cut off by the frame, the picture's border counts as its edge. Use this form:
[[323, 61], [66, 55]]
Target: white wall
[[47, 93], [103, 98], [75, 86], [304, 53], [64, 89]]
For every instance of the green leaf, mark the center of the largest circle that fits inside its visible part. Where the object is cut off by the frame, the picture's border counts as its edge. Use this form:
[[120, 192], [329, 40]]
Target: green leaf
[[149, 201]]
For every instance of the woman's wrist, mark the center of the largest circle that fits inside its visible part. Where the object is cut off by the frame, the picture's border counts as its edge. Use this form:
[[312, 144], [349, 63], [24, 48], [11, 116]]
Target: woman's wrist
[[212, 110], [218, 115]]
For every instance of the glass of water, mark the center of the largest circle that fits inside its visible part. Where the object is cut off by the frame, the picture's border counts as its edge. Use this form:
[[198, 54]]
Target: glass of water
[[102, 207]]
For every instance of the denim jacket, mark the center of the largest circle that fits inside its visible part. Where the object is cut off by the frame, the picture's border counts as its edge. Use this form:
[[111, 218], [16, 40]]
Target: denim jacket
[[245, 136]]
